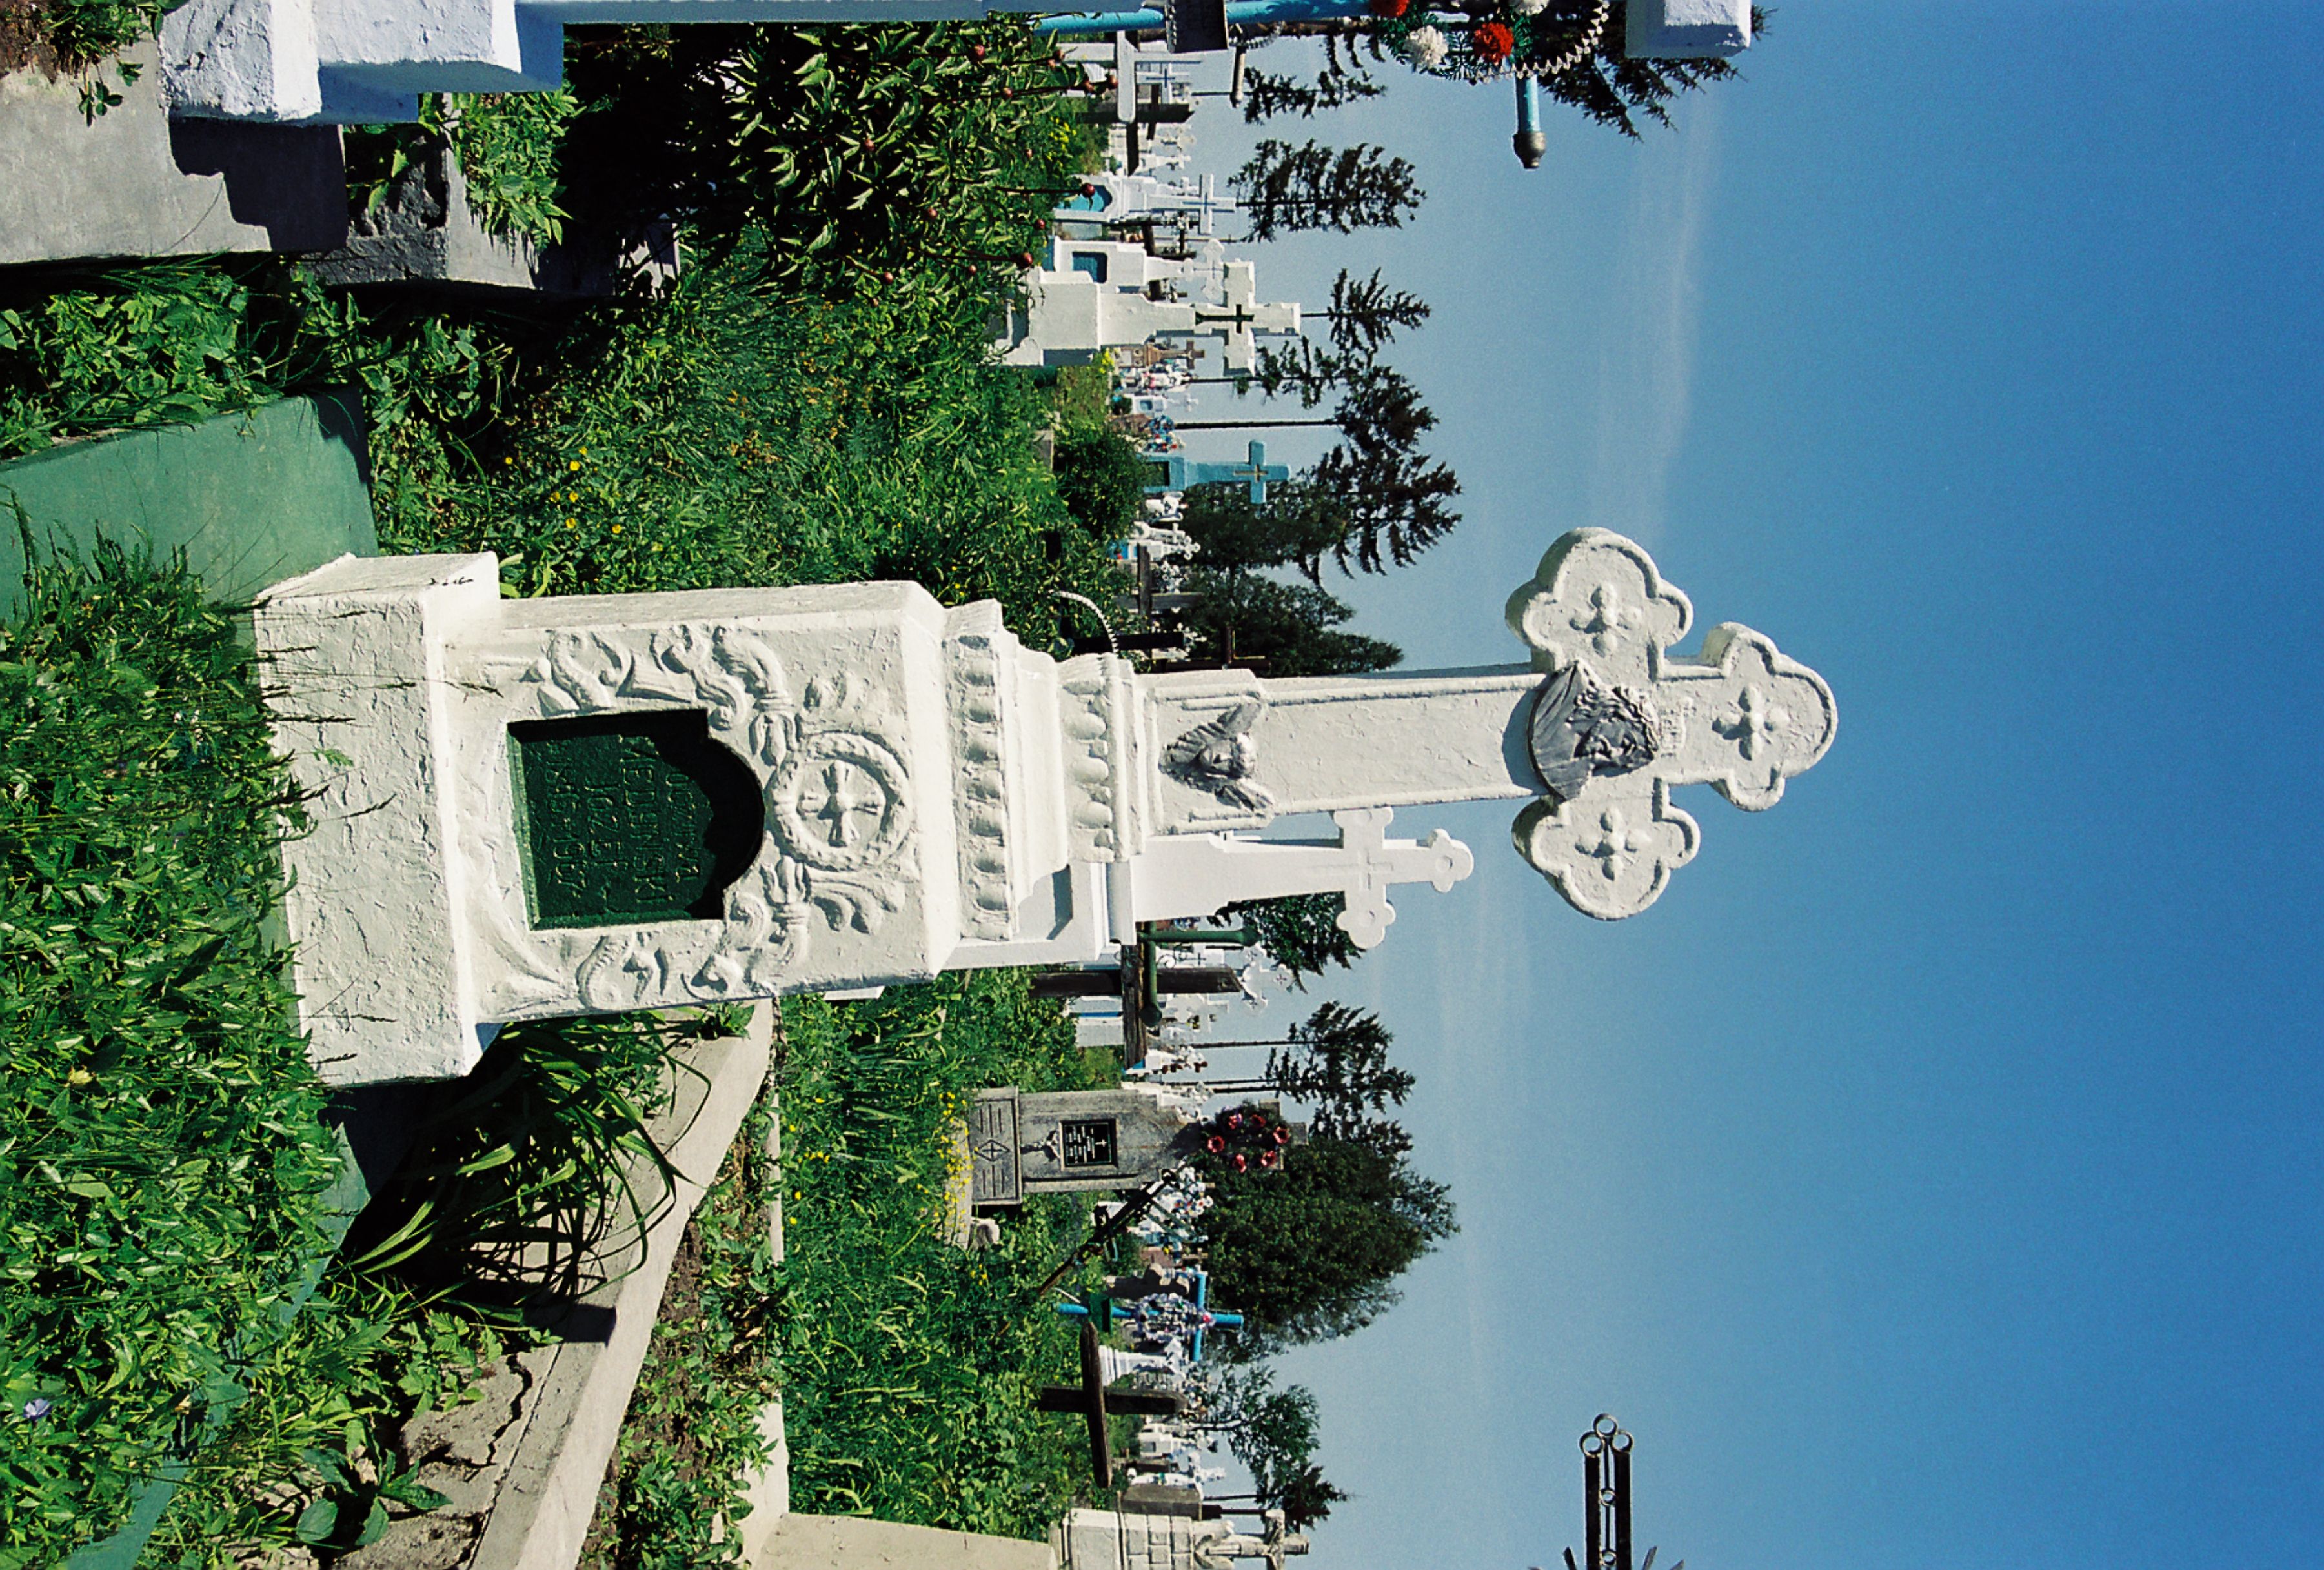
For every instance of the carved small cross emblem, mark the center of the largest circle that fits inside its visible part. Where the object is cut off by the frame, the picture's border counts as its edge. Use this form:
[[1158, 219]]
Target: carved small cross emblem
[[1608, 619], [842, 801], [1617, 844], [1620, 719], [1755, 721]]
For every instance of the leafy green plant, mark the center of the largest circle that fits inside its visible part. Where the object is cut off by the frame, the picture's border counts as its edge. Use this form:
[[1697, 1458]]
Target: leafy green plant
[[853, 153], [164, 1160], [156, 344], [909, 1366], [1101, 478], [510, 147], [510, 1191]]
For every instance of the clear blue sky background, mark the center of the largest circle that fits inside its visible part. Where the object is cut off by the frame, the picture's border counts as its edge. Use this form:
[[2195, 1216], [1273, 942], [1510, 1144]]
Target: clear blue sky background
[[1932, 1178]]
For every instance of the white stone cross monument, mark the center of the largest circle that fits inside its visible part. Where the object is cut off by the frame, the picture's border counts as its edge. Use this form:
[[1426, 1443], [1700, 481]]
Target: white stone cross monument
[[1132, 198], [1101, 294], [524, 808]]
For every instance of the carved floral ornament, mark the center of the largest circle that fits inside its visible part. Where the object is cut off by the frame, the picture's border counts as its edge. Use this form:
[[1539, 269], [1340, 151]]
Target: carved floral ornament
[[839, 818], [1619, 719]]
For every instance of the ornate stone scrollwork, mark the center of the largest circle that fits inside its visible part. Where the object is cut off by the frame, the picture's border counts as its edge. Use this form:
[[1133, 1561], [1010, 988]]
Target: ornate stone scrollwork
[[839, 820]]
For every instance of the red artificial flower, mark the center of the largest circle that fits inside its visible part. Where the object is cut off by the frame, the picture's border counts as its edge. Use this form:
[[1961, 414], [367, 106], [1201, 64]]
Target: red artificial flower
[[1492, 42], [1216, 1144], [1389, 8]]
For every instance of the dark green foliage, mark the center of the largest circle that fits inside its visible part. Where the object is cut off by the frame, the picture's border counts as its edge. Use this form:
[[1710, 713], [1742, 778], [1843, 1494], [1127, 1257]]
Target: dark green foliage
[[1612, 88], [1395, 495], [1265, 94], [1337, 1063], [82, 33], [852, 151], [707, 438], [163, 1151], [489, 1173], [1284, 188], [1272, 1432], [1101, 478], [909, 1366], [692, 1430], [1302, 1494], [121, 348], [1375, 498], [1311, 1250], [509, 145], [1366, 313], [1300, 931], [1297, 524], [1291, 627]]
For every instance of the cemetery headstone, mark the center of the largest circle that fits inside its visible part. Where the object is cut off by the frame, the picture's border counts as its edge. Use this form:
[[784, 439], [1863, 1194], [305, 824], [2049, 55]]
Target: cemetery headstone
[[425, 232], [1074, 1141], [250, 496], [133, 182], [870, 788]]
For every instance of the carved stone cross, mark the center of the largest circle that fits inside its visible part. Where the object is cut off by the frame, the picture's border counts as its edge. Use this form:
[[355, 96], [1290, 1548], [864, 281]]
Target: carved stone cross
[[522, 809], [1606, 719]]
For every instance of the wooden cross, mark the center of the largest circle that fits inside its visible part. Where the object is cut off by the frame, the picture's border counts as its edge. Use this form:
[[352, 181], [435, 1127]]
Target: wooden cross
[[1095, 1403]]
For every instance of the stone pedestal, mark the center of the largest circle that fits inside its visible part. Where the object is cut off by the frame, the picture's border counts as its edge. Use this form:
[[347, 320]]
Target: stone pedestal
[[426, 235]]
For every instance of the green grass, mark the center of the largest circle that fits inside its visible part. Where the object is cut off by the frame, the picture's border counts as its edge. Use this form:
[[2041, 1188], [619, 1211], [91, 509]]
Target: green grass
[[785, 414], [905, 1366], [725, 435], [160, 1122], [908, 1365]]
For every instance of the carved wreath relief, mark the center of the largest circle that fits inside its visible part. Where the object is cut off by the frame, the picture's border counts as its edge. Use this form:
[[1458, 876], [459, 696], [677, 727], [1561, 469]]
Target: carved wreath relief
[[838, 815], [1619, 719]]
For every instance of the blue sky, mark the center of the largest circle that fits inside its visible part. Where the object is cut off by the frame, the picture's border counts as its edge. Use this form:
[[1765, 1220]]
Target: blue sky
[[1932, 1178]]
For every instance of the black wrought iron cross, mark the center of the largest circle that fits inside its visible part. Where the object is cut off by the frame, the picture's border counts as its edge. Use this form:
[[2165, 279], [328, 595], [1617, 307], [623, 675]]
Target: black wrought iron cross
[[1606, 1501]]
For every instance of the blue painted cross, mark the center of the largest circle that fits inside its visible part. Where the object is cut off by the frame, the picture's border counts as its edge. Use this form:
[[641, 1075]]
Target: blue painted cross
[[1257, 474]]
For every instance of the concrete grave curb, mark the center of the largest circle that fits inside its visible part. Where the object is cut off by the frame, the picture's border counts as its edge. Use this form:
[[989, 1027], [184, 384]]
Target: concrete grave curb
[[583, 1393]]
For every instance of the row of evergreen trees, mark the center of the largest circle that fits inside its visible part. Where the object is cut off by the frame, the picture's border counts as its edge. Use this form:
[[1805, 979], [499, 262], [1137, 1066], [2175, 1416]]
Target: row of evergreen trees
[[1312, 1248]]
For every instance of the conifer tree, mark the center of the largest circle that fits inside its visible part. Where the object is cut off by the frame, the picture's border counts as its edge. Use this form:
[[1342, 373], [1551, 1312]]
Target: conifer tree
[[1284, 188]]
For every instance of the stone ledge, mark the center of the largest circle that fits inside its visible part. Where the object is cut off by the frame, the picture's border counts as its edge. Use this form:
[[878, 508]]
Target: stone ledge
[[523, 1462], [133, 182]]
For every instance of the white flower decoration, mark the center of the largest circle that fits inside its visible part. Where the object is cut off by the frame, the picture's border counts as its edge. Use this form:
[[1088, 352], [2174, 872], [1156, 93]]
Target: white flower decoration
[[1528, 7], [1425, 47]]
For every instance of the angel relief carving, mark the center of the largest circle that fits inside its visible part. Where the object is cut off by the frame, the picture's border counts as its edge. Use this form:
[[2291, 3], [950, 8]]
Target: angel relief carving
[[1220, 757]]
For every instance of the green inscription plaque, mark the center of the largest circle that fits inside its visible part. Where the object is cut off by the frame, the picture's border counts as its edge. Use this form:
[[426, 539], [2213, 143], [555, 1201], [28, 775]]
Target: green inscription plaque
[[634, 817]]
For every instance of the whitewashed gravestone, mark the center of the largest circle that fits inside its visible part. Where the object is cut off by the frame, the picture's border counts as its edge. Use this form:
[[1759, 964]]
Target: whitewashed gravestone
[[1073, 1141], [528, 807]]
